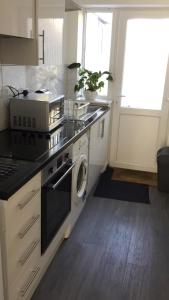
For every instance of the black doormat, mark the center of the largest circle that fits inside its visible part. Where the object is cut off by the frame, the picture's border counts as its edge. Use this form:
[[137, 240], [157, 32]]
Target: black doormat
[[120, 190]]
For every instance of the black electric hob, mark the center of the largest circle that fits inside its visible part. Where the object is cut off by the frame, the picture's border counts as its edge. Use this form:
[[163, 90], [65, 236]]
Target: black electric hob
[[22, 153], [32, 146]]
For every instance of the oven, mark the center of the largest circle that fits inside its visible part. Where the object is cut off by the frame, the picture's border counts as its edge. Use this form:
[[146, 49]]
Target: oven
[[56, 197]]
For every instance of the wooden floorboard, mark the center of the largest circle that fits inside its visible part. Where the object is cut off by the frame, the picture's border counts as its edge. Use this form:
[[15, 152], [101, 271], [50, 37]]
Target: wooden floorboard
[[117, 251], [135, 176]]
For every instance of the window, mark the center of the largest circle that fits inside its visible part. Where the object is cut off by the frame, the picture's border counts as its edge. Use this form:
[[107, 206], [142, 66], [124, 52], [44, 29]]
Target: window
[[145, 64], [98, 43]]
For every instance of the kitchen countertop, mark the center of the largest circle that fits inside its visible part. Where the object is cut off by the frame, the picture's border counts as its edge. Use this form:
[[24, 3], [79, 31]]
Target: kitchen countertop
[[21, 171]]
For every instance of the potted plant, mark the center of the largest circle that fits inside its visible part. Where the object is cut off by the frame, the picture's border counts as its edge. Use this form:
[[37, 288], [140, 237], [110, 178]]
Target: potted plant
[[90, 82]]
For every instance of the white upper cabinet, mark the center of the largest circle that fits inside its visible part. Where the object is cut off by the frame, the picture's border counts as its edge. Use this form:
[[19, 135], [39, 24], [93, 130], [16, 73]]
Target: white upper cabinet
[[17, 18], [46, 45], [50, 15]]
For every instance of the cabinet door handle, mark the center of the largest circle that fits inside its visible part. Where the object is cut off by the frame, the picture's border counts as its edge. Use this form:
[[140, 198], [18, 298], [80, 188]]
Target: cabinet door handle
[[28, 226], [28, 252], [30, 280], [102, 128], [43, 47], [22, 204]]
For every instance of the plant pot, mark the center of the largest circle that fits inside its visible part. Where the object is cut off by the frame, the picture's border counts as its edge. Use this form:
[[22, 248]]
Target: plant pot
[[90, 95]]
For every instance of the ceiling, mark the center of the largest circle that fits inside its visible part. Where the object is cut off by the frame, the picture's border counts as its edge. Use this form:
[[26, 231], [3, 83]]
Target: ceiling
[[123, 3]]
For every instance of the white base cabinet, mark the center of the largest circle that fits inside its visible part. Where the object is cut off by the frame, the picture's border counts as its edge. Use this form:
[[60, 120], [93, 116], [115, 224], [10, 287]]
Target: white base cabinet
[[23, 266], [98, 149], [20, 234]]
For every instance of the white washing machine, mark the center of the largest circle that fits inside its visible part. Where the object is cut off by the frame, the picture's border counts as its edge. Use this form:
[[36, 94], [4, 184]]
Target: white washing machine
[[79, 177]]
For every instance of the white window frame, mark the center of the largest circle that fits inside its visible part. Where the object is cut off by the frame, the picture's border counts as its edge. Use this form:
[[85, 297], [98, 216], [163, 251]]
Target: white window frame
[[109, 95]]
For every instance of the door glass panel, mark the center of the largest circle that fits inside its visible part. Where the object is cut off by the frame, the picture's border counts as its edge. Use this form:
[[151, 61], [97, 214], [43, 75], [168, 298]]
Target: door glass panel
[[145, 63]]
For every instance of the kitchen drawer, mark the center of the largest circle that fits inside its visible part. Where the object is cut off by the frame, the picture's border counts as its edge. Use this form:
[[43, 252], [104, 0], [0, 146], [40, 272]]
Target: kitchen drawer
[[18, 220], [23, 198], [24, 286], [21, 252]]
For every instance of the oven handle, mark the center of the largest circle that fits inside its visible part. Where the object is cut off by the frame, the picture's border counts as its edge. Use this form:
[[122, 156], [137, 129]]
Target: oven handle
[[54, 186]]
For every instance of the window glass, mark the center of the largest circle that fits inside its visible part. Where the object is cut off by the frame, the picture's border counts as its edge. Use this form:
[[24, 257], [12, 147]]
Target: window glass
[[98, 43]]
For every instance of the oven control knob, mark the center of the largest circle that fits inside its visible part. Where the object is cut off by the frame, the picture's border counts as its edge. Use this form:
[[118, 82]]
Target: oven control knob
[[50, 171], [48, 136]]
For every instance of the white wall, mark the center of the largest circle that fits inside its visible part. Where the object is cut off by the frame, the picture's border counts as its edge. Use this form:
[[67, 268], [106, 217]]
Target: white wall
[[109, 3], [73, 36], [73, 41]]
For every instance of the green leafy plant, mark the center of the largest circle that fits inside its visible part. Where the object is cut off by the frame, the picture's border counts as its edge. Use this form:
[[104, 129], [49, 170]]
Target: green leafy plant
[[88, 80]]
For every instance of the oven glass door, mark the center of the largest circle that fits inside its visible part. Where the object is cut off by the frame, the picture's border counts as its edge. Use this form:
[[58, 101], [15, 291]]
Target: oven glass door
[[56, 204]]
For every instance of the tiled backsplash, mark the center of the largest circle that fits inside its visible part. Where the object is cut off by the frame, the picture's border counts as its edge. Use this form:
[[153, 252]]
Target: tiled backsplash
[[27, 77], [56, 79], [14, 75], [48, 77], [33, 78]]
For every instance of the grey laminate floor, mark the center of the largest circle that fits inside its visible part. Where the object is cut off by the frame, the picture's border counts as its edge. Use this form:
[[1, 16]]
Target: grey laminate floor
[[117, 251]]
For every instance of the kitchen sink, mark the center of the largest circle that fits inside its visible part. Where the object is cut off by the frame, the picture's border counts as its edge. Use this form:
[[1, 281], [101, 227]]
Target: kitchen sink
[[94, 108], [91, 113]]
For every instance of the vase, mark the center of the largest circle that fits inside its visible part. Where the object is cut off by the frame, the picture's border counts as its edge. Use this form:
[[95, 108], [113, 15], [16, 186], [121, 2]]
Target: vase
[[89, 95]]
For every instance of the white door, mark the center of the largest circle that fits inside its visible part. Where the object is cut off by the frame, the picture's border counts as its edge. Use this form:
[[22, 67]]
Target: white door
[[141, 89]]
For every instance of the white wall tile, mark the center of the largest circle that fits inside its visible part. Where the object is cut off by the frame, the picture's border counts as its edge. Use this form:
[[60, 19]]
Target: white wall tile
[[33, 78], [15, 76], [46, 77]]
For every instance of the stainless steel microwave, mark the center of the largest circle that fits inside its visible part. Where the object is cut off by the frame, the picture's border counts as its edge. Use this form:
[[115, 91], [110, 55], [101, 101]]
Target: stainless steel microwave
[[36, 112]]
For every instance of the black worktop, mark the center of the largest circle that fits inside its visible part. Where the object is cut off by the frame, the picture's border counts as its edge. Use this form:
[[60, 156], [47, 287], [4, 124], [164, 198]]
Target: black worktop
[[19, 169]]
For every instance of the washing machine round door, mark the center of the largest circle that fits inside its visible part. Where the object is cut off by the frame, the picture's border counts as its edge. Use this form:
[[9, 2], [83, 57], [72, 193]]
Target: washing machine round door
[[81, 178]]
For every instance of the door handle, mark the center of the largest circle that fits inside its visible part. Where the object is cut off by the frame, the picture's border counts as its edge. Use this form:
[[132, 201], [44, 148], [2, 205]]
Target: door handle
[[54, 186], [120, 96], [116, 101]]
